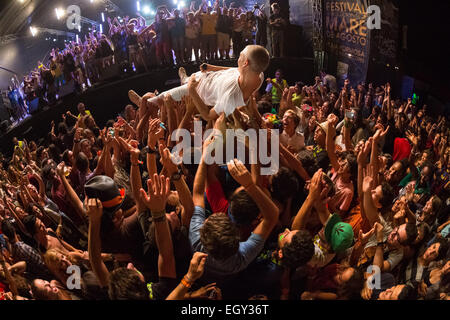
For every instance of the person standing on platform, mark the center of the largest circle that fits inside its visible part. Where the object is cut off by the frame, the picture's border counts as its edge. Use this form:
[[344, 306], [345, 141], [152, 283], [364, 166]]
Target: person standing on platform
[[278, 25]]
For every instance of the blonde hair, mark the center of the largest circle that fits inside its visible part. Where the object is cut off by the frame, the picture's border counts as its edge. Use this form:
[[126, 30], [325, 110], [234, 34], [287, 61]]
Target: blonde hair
[[52, 258], [258, 58]]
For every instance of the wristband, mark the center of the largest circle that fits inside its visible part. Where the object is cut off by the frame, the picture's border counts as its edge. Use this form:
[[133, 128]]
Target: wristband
[[381, 243], [186, 282], [160, 219], [158, 214]]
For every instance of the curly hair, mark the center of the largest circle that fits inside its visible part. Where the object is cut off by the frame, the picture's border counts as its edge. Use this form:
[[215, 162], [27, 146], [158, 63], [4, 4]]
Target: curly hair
[[243, 209], [219, 236], [125, 284], [284, 184], [299, 251]]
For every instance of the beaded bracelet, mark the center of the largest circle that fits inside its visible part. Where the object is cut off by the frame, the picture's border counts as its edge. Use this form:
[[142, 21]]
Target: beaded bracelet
[[185, 282]]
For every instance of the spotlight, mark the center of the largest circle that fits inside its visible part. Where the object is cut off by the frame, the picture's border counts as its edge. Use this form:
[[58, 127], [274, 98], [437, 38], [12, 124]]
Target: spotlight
[[34, 31], [350, 55], [175, 1], [182, 4], [103, 17], [146, 10], [101, 28], [138, 5], [59, 13], [54, 40], [209, 3]]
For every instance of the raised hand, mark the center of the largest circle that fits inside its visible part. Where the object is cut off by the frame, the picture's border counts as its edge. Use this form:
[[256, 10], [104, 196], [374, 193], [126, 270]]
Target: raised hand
[[166, 160], [368, 182], [240, 173], [197, 266], [94, 208], [364, 152], [158, 191], [155, 132], [210, 291], [363, 238], [60, 169], [380, 133], [315, 185]]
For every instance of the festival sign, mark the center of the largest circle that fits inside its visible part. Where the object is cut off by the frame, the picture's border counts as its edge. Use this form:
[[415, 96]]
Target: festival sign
[[347, 37]]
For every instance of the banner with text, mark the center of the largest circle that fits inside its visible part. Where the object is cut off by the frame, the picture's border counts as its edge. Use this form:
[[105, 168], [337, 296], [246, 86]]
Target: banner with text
[[347, 39]]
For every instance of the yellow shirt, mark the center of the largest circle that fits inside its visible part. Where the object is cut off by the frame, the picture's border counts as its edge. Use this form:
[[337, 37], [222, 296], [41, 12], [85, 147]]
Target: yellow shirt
[[86, 111], [209, 23]]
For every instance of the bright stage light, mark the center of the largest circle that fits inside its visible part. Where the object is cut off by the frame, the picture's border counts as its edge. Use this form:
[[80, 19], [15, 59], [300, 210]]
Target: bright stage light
[[146, 10], [103, 17], [175, 1], [59, 13], [182, 4], [138, 5], [101, 28], [209, 3], [34, 31]]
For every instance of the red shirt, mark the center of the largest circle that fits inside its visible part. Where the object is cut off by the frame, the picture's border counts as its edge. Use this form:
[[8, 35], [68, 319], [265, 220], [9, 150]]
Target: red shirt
[[402, 149]]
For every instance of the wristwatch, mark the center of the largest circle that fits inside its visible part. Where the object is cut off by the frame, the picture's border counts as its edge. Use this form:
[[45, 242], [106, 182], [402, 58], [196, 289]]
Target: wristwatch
[[381, 243], [148, 150]]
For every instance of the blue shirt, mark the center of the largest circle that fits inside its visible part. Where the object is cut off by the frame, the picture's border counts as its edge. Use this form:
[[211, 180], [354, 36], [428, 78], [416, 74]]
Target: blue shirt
[[246, 253]]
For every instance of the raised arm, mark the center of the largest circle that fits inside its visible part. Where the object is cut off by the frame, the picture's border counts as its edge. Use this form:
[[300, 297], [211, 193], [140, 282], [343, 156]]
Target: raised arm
[[70, 193], [95, 212], [180, 184], [294, 163], [300, 219], [155, 200], [207, 114], [268, 209], [196, 269], [371, 212], [331, 147]]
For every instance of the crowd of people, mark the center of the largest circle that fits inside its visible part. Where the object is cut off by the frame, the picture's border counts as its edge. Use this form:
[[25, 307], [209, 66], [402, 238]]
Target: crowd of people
[[188, 35], [357, 209]]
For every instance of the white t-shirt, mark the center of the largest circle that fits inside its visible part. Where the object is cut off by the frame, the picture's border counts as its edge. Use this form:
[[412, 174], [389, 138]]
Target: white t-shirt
[[221, 90], [296, 141]]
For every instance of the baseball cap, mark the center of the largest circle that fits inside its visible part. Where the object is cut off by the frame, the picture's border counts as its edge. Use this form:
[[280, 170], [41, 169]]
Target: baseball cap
[[105, 189], [338, 234]]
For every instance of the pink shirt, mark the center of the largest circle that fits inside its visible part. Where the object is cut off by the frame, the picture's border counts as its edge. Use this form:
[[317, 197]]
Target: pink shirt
[[343, 196]]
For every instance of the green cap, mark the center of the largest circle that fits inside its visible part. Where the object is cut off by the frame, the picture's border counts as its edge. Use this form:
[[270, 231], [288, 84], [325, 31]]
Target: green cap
[[338, 234]]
